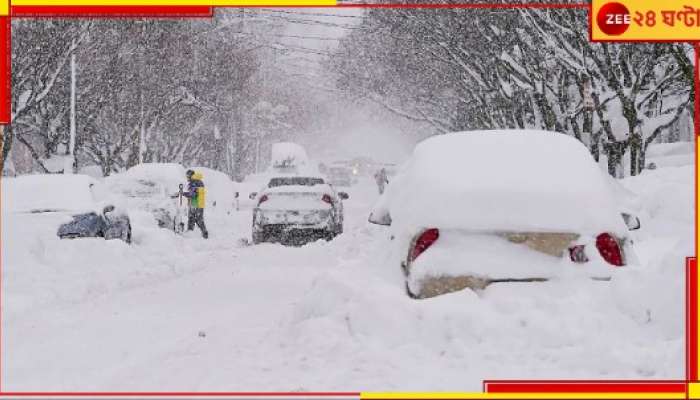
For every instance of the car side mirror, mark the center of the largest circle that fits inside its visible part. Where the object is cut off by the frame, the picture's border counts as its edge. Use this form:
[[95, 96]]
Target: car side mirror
[[631, 221], [343, 195], [384, 219], [253, 195], [236, 195]]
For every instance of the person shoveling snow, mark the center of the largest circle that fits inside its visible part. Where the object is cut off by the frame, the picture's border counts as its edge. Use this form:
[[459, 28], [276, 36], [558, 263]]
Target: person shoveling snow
[[196, 194]]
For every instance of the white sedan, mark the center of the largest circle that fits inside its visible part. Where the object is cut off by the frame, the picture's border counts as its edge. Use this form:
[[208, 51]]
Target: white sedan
[[473, 208], [296, 209]]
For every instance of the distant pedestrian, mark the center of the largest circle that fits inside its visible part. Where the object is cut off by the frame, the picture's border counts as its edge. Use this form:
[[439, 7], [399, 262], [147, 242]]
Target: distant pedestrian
[[382, 180], [196, 193]]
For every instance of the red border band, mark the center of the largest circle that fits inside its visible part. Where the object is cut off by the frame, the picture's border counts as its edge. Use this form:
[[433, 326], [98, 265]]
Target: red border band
[[5, 70], [182, 394], [584, 386], [111, 11], [691, 320]]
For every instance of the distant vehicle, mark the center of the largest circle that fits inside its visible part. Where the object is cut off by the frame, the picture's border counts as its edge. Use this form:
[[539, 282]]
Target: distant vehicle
[[475, 208], [154, 188], [340, 176], [296, 209], [288, 158], [363, 166], [70, 202]]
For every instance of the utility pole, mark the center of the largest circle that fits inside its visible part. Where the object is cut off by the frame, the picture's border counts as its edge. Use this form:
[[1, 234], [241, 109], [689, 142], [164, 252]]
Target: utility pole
[[142, 71], [69, 168]]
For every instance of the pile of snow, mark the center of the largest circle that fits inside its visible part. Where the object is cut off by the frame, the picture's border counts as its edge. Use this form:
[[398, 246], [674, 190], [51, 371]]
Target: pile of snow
[[671, 154], [528, 180], [667, 200], [94, 171], [55, 192]]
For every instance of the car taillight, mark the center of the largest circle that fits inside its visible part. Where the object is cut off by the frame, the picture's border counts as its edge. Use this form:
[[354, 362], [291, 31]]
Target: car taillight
[[326, 198], [578, 254], [610, 249], [263, 199], [425, 240]]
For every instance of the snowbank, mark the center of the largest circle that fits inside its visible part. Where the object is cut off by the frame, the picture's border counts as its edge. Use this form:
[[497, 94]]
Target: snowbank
[[504, 180], [671, 154]]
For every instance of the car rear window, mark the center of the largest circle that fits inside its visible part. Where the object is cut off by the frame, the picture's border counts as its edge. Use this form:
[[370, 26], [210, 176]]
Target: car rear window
[[294, 181]]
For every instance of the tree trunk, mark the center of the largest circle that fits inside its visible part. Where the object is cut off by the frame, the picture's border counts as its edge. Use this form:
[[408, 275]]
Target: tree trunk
[[635, 144], [634, 151], [6, 133], [595, 147]]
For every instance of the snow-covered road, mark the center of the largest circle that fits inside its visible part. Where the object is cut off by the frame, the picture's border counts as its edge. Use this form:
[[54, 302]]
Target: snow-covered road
[[184, 314]]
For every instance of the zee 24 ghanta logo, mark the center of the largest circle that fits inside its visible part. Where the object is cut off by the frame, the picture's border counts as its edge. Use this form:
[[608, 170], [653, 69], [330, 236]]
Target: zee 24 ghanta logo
[[649, 19]]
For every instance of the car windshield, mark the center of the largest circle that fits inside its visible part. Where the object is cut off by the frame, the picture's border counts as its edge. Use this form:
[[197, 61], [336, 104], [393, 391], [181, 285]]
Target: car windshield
[[294, 181]]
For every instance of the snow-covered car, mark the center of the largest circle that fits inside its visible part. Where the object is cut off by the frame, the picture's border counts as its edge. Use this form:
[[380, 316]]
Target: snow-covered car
[[69, 201], [151, 187], [473, 208], [288, 158], [109, 224], [294, 208]]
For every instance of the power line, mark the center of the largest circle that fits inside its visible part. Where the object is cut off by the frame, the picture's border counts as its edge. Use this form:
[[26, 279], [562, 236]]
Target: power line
[[313, 22], [311, 14]]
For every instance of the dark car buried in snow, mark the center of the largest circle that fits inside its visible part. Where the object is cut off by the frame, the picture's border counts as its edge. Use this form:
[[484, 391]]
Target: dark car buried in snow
[[108, 225]]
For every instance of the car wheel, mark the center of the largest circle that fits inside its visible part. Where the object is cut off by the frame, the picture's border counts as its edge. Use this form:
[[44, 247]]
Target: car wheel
[[258, 237]]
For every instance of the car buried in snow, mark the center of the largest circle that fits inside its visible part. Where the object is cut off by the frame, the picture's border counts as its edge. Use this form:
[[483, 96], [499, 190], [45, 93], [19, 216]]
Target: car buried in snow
[[297, 209], [109, 224], [474, 208], [152, 188], [67, 201]]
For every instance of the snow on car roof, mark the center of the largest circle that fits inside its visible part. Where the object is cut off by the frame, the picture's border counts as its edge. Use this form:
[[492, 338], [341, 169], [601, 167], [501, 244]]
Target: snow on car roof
[[504, 180], [170, 173], [49, 192]]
